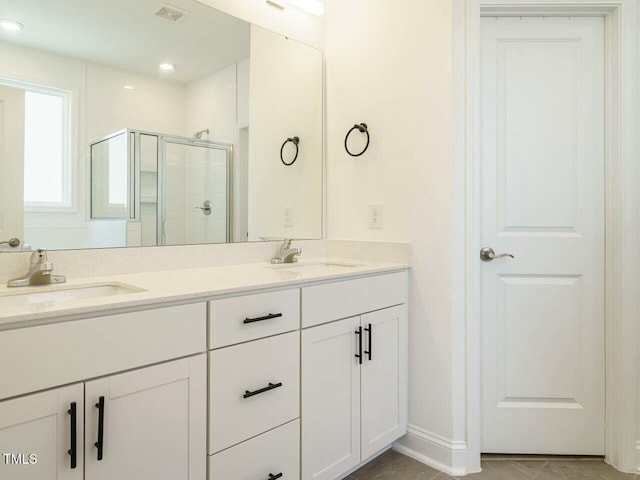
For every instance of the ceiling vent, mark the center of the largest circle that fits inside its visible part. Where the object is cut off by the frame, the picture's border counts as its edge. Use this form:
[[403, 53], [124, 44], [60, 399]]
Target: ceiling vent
[[170, 13]]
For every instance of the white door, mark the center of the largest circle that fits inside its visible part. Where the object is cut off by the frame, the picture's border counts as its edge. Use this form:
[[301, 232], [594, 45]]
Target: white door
[[11, 163], [154, 423], [36, 441], [330, 400], [384, 370], [543, 202]]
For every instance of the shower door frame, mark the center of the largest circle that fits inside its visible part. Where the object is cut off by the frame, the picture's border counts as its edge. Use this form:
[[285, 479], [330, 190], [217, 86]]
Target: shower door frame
[[162, 157]]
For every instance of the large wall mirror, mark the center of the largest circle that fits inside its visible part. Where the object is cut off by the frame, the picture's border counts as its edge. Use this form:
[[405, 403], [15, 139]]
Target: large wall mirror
[[141, 123]]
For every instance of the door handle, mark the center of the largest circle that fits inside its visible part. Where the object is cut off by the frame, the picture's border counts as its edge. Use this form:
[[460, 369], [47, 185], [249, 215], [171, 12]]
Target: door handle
[[73, 451], [206, 207], [369, 330], [100, 443], [487, 254]]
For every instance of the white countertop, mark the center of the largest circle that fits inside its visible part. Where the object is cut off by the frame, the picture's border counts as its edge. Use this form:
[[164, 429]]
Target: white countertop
[[180, 286]]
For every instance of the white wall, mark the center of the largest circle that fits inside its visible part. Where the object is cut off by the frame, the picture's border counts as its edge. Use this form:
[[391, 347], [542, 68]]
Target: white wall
[[290, 22], [391, 68], [154, 105], [283, 105], [211, 103]]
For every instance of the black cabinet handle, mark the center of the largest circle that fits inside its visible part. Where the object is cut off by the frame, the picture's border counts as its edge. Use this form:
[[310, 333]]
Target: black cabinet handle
[[260, 319], [73, 450], [271, 386], [359, 354], [273, 477], [99, 444], [369, 329]]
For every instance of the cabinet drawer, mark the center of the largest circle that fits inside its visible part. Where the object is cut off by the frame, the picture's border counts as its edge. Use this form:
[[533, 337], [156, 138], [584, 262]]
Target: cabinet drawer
[[271, 453], [254, 387], [240, 319], [46, 356], [337, 300]]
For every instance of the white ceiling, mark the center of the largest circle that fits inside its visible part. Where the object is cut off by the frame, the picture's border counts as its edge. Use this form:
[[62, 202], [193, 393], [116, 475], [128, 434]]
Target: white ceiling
[[125, 34]]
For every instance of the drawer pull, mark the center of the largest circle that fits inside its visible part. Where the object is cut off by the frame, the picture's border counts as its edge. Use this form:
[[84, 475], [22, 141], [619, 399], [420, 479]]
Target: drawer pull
[[273, 477], [370, 331], [100, 443], [359, 354], [260, 319], [73, 452], [271, 386]]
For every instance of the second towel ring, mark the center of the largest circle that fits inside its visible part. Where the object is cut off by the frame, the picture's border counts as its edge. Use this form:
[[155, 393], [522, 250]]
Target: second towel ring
[[362, 128], [295, 141]]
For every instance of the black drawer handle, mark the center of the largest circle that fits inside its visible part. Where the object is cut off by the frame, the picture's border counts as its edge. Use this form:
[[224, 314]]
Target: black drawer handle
[[369, 329], [271, 386], [273, 477], [73, 450], [100, 443], [359, 354], [260, 319]]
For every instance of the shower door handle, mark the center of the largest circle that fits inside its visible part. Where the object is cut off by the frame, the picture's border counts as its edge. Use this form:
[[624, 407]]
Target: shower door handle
[[206, 207]]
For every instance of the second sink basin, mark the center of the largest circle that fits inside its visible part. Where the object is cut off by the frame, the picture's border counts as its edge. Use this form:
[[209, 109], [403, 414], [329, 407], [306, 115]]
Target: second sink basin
[[64, 294]]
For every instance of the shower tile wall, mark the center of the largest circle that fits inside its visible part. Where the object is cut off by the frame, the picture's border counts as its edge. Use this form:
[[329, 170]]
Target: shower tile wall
[[193, 176], [220, 102], [206, 180]]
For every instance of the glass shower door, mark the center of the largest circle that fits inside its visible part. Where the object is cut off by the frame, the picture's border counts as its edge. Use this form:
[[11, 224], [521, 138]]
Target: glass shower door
[[195, 200]]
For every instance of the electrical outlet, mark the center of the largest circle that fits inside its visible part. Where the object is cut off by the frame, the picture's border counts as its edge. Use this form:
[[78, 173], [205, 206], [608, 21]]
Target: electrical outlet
[[375, 217], [288, 217]]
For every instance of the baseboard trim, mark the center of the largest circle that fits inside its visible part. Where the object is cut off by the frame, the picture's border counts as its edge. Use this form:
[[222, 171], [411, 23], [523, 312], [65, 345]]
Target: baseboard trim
[[438, 452]]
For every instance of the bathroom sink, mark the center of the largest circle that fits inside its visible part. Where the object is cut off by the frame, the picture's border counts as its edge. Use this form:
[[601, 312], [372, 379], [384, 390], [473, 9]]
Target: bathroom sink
[[318, 267], [64, 294]]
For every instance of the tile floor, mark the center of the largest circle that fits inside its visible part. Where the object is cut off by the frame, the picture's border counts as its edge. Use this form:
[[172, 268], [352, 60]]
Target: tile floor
[[392, 465]]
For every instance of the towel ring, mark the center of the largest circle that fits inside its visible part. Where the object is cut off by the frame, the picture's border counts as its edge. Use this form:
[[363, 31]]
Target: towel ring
[[295, 141], [362, 128]]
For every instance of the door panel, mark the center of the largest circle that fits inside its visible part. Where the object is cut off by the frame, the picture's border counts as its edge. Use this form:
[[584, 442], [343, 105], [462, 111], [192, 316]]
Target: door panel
[[384, 409], [543, 201], [40, 425], [330, 400], [154, 423]]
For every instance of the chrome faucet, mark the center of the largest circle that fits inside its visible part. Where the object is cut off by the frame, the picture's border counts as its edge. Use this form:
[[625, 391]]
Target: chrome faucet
[[40, 272], [287, 254]]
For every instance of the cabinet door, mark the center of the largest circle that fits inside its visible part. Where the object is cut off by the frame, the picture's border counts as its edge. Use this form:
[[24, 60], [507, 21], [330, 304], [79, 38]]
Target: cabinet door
[[154, 423], [384, 379], [36, 435], [330, 400]]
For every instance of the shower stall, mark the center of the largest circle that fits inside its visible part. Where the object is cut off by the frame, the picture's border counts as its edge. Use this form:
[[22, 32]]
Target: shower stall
[[163, 189]]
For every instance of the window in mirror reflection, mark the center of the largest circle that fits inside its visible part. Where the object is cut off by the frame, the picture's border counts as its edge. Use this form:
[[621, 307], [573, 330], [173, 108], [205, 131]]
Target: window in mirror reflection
[[47, 150]]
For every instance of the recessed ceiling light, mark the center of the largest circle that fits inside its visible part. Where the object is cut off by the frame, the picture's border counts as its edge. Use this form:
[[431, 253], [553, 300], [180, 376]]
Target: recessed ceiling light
[[314, 7], [129, 87], [11, 25], [166, 67]]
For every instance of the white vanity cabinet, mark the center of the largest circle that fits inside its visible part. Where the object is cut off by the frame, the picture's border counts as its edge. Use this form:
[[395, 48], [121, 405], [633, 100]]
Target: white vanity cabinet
[[131, 411], [147, 423], [354, 376], [40, 432], [254, 386], [288, 383]]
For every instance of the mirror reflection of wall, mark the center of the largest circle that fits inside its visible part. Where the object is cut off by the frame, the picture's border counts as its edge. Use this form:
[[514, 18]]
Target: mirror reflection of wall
[[71, 81]]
